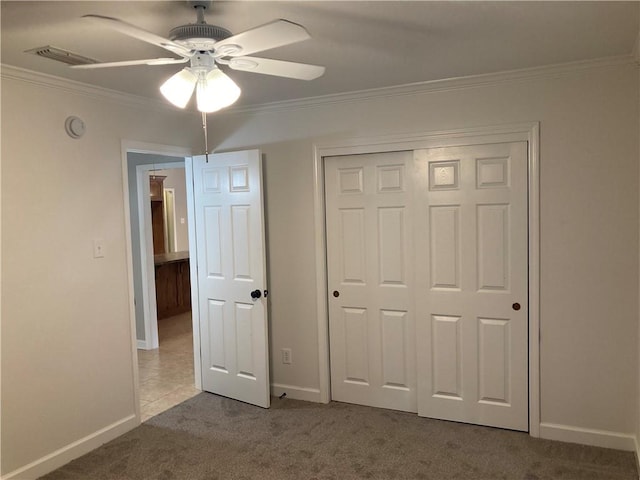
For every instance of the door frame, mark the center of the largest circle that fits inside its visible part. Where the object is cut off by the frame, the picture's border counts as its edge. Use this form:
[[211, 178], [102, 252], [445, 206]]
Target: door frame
[[133, 146], [147, 272], [529, 132]]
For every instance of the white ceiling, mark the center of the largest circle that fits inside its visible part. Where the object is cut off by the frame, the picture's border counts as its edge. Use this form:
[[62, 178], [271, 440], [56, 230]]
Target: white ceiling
[[363, 44]]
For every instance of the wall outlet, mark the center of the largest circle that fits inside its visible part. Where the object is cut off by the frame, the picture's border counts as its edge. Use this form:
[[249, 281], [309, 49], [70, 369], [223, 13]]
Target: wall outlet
[[286, 356]]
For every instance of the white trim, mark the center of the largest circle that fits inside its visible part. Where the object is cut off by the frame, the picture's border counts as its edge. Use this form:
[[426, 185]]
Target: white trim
[[146, 246], [637, 451], [10, 72], [146, 257], [143, 345], [296, 393], [534, 279], [78, 88], [193, 271], [588, 436], [322, 313], [441, 85], [528, 132], [127, 146], [64, 455]]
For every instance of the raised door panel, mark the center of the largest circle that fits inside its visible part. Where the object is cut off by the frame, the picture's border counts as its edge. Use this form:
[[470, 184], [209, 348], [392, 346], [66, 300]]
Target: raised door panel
[[213, 236], [356, 343], [444, 227], [244, 320], [494, 360], [391, 243], [352, 247], [396, 336], [446, 362], [241, 242], [215, 342], [493, 247]]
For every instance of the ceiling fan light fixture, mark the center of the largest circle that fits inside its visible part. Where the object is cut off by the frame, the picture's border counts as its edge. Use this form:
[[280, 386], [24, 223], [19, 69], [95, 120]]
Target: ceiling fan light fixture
[[179, 88], [215, 91]]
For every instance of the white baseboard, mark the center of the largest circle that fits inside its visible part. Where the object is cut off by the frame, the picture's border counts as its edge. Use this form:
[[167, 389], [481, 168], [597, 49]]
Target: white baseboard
[[637, 445], [61, 457], [587, 436], [297, 393], [142, 345]]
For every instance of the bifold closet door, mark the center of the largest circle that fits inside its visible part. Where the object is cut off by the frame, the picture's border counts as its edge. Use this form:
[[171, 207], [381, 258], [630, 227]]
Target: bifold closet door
[[370, 274], [471, 284]]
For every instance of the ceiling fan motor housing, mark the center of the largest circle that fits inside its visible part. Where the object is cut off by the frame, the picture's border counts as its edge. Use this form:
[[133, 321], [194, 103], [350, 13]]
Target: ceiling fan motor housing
[[199, 36]]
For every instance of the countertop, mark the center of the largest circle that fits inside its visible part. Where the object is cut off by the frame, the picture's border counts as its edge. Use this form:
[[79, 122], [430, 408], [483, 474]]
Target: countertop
[[164, 258]]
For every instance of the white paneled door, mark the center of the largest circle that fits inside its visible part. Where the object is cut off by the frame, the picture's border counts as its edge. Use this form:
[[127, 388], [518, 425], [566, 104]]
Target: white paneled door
[[370, 274], [231, 275], [472, 320], [427, 275]]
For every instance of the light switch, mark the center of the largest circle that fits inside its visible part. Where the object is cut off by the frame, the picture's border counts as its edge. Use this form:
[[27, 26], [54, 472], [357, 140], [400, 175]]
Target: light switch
[[98, 248]]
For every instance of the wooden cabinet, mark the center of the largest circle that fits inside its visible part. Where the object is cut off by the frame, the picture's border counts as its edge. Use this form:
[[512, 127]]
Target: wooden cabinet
[[173, 284], [156, 186]]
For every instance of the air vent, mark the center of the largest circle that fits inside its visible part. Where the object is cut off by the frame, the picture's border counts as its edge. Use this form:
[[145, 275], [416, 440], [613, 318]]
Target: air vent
[[61, 55]]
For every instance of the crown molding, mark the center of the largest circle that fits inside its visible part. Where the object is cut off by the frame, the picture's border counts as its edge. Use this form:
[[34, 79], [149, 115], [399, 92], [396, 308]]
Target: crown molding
[[10, 72], [447, 84]]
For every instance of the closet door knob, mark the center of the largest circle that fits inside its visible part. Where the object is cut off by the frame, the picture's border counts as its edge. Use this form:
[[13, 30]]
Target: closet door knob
[[516, 306]]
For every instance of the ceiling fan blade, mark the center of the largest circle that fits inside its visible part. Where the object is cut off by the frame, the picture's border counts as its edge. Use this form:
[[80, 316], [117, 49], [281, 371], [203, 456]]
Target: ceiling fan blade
[[271, 35], [280, 68], [127, 63], [139, 33]]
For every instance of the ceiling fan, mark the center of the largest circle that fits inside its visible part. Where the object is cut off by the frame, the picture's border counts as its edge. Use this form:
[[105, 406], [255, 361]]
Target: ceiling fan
[[206, 46]]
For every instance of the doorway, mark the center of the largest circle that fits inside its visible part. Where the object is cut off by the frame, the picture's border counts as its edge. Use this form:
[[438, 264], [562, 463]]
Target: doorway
[[160, 257]]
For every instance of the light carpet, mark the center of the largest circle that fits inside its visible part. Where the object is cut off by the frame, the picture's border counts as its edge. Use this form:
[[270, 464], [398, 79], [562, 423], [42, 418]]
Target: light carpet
[[211, 437]]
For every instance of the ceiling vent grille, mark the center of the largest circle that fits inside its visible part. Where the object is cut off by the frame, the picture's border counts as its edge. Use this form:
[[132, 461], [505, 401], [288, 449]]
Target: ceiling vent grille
[[60, 55]]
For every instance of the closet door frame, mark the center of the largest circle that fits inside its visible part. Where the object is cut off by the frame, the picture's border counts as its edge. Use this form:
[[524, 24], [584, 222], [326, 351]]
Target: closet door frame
[[528, 132]]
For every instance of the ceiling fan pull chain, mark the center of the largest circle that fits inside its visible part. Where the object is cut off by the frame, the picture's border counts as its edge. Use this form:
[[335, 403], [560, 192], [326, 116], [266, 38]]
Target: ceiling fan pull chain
[[206, 140]]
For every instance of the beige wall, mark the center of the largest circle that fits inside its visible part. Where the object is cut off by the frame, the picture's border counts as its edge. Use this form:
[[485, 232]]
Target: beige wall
[[67, 363], [588, 222]]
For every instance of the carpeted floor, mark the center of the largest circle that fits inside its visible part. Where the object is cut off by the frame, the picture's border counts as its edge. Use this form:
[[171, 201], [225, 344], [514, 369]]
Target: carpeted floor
[[210, 437]]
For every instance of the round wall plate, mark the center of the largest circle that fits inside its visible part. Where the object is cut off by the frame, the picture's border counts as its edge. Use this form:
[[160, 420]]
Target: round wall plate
[[74, 126]]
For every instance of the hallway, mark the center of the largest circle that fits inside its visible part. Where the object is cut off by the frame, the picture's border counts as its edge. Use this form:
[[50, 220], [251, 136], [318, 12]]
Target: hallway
[[166, 374]]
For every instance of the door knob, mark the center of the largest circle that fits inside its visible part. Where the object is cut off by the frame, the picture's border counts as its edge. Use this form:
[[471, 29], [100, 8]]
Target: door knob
[[256, 294], [336, 293], [516, 306]]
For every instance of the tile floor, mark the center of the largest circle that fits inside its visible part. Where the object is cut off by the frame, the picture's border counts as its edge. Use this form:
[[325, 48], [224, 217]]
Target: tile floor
[[166, 374]]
